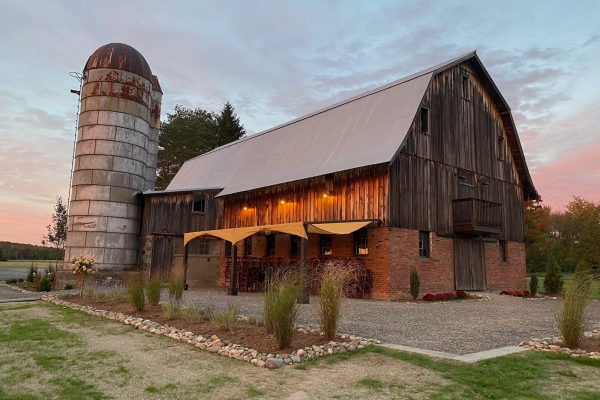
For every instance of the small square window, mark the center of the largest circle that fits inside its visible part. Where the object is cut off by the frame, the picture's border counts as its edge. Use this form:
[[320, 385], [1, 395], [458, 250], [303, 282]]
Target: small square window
[[295, 246], [270, 245], [424, 248], [424, 120], [199, 203], [248, 246], [326, 248], [502, 248], [361, 244]]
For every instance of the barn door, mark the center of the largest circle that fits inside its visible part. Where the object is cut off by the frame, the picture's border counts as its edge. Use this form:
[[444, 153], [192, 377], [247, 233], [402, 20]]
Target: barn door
[[469, 263], [162, 255]]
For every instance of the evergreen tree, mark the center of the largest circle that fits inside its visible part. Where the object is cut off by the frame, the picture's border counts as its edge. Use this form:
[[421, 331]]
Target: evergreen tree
[[57, 229], [553, 282], [227, 127]]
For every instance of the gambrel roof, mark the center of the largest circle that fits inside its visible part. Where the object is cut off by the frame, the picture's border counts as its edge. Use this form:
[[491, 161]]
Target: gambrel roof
[[365, 130]]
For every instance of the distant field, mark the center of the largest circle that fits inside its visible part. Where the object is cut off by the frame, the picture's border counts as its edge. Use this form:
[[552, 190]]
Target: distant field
[[594, 290], [27, 263]]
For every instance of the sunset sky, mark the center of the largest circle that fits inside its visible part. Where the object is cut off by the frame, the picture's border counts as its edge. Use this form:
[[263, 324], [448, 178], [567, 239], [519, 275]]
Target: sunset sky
[[278, 60]]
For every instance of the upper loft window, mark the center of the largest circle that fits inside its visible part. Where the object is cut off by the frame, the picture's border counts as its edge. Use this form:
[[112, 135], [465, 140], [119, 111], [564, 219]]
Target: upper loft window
[[361, 243], [199, 203], [424, 120], [501, 148], [424, 246], [270, 245], [466, 93]]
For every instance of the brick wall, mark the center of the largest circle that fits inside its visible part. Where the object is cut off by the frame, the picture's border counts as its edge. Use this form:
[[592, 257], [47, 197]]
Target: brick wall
[[509, 274]]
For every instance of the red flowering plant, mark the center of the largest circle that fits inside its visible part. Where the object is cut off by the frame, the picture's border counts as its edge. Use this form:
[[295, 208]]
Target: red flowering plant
[[429, 297], [517, 293], [461, 294]]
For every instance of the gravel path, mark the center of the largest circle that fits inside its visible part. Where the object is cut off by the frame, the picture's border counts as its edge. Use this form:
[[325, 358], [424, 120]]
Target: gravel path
[[452, 327], [7, 293]]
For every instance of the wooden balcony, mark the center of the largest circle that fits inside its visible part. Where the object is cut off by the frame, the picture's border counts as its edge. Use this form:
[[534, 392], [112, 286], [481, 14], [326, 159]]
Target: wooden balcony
[[476, 216]]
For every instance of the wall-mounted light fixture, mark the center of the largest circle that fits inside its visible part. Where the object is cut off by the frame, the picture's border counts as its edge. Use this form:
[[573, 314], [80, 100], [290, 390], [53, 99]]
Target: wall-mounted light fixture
[[328, 193], [283, 201], [462, 176]]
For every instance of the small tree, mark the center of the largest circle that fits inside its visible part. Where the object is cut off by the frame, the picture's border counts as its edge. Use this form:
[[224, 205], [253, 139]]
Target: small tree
[[553, 282], [57, 229], [415, 283], [83, 267]]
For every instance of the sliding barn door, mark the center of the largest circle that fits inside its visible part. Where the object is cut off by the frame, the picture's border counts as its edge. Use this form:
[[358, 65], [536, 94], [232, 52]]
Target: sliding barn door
[[469, 263]]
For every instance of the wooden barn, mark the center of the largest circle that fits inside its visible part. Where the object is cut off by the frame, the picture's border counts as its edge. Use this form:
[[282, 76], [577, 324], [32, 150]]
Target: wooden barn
[[425, 172]]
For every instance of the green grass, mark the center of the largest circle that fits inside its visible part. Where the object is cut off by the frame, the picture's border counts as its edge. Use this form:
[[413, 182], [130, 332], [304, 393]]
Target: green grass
[[27, 263], [251, 391], [594, 289]]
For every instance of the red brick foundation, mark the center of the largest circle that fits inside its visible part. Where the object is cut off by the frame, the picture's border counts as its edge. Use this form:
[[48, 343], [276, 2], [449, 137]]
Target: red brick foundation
[[509, 274]]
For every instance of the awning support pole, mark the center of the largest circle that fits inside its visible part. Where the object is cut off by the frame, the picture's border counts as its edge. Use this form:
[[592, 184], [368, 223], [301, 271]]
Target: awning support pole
[[233, 289], [185, 266], [304, 296]]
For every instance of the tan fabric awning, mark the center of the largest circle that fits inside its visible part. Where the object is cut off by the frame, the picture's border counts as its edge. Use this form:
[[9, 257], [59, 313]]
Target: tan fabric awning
[[234, 235], [337, 228]]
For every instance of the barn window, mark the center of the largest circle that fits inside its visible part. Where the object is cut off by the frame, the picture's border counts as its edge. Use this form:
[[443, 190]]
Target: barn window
[[326, 248], [501, 148], [502, 247], [465, 87], [424, 247], [295, 246], [270, 245], [248, 246], [199, 203], [228, 248], [361, 244], [424, 120]]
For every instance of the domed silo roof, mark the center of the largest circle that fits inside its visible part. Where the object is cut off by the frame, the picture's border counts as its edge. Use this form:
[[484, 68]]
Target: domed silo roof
[[119, 56]]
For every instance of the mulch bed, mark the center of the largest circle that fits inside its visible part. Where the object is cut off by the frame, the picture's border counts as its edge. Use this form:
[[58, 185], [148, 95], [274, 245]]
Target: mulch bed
[[244, 333]]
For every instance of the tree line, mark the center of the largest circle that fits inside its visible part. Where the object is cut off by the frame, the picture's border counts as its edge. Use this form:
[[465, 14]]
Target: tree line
[[22, 251], [567, 237], [188, 133]]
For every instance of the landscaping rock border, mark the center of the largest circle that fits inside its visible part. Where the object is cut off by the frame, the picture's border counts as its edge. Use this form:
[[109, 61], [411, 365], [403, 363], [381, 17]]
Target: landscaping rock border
[[226, 348], [549, 344]]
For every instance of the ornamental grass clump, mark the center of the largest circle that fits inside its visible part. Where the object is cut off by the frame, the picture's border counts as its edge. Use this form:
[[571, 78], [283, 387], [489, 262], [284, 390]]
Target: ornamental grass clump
[[282, 288], [83, 267], [333, 285], [135, 289], [226, 318], [534, 283], [191, 312], [572, 317], [175, 287], [171, 309], [415, 283], [153, 291]]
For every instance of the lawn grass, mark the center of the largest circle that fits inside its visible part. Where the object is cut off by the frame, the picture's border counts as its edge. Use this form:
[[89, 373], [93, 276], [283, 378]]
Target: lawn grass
[[27, 263], [594, 288], [42, 358]]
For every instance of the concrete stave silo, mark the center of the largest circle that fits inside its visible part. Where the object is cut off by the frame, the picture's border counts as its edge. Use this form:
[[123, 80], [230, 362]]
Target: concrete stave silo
[[115, 158]]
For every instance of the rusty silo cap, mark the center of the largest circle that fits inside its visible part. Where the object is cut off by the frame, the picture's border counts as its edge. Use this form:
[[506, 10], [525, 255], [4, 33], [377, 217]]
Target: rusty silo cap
[[119, 56]]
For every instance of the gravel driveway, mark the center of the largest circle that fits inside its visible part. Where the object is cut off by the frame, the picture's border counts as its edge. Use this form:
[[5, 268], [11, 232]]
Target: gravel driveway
[[452, 327], [9, 294]]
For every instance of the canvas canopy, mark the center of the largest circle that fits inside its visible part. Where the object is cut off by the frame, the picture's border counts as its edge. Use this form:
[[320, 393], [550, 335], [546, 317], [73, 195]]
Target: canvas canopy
[[234, 235]]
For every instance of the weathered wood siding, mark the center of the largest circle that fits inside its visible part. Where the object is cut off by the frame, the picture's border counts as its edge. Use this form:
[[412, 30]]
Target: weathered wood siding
[[357, 194], [462, 138]]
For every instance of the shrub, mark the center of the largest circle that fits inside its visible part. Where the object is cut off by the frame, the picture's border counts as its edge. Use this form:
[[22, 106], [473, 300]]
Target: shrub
[[572, 317], [153, 291], [21, 280], [534, 282], [415, 283], [175, 287], [45, 284], [461, 294], [31, 272], [226, 318], [440, 296], [333, 283], [553, 281], [190, 312], [429, 297], [135, 289], [170, 309], [282, 288], [68, 286]]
